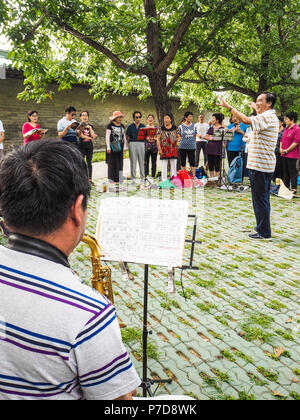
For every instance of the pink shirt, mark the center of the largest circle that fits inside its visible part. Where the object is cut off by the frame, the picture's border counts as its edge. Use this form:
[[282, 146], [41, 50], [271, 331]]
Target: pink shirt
[[28, 127], [290, 136]]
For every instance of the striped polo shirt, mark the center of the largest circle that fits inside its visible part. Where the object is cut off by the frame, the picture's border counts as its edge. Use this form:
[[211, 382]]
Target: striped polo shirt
[[59, 339], [261, 149]]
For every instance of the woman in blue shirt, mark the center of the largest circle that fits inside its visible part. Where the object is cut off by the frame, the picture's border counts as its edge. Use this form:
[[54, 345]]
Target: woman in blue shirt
[[236, 145], [187, 146]]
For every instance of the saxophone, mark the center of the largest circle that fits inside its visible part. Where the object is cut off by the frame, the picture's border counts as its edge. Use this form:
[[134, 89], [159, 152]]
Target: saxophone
[[101, 278]]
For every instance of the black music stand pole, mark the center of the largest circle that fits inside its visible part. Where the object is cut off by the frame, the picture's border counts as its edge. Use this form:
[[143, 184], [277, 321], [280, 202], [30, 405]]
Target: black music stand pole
[[223, 175], [146, 383]]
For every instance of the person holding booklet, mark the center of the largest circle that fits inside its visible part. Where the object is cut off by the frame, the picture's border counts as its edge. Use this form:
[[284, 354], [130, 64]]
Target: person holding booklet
[[31, 129], [86, 136], [148, 135], [67, 126]]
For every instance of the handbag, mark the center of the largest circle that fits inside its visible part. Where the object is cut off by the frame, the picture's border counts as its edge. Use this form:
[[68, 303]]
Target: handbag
[[176, 180], [115, 146], [185, 178]]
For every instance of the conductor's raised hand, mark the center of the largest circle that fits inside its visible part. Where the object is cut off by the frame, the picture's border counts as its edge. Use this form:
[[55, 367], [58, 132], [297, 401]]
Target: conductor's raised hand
[[223, 103]]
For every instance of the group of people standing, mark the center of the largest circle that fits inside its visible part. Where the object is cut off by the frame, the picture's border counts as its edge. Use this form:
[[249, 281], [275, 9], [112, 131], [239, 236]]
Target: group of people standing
[[174, 144], [79, 134]]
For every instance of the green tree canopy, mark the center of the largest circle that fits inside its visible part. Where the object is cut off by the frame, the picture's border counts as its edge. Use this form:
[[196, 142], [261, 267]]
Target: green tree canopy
[[153, 47], [255, 55]]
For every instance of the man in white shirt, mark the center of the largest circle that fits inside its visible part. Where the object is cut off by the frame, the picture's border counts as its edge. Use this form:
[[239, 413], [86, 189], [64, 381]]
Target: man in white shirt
[[202, 128], [1, 140], [261, 157], [66, 128]]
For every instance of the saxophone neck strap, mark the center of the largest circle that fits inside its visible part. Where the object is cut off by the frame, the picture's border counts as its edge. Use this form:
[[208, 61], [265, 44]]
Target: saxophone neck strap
[[36, 247]]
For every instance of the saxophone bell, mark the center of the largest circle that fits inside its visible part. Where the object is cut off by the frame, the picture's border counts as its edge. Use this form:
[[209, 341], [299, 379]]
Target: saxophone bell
[[101, 278]]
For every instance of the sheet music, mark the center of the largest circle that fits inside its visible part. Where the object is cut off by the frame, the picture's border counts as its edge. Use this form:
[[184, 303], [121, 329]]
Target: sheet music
[[142, 230]]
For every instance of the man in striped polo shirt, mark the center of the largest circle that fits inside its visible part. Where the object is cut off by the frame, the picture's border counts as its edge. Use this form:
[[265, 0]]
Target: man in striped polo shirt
[[59, 338], [261, 157]]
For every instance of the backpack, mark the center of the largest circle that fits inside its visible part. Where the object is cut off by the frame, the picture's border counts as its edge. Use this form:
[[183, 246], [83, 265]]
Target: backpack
[[235, 173], [200, 173]]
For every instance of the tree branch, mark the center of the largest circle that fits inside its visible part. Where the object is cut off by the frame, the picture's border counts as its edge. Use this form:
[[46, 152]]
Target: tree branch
[[195, 56], [98, 47], [240, 89], [32, 31], [176, 41], [152, 30], [225, 87]]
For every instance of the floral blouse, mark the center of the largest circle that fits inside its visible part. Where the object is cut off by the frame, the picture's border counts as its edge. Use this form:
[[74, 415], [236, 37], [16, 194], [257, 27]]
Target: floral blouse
[[168, 142]]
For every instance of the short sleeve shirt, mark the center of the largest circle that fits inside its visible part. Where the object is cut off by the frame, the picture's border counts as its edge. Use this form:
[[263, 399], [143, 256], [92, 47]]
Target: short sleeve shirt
[[26, 128], [71, 135], [290, 136], [202, 128], [64, 341], [187, 134], [261, 149], [214, 147], [237, 143], [168, 142], [132, 132]]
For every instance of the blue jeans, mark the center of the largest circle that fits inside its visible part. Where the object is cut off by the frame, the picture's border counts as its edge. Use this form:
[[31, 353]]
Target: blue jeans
[[260, 185]]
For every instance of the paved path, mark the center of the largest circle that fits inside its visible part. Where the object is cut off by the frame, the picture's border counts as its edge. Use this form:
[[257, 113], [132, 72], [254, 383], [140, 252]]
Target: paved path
[[100, 169], [237, 333]]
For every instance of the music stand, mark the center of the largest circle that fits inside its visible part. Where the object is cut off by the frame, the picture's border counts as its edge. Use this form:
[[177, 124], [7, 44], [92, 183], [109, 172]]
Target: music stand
[[146, 382], [224, 137], [121, 239]]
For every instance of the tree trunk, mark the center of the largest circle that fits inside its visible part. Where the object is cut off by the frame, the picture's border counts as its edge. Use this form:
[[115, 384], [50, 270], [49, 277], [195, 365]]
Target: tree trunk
[[284, 104], [162, 101]]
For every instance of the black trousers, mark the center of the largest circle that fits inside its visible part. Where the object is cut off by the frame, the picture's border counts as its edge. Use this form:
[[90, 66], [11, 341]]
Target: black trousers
[[149, 154], [179, 161], [231, 155], [290, 172], [87, 149], [245, 170], [201, 145], [214, 163], [184, 153], [278, 169], [260, 187], [115, 166]]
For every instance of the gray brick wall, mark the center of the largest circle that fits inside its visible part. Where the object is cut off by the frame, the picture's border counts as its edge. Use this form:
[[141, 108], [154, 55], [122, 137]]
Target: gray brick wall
[[13, 112]]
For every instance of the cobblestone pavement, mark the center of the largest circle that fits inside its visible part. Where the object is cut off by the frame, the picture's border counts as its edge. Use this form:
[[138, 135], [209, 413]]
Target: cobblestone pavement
[[236, 333]]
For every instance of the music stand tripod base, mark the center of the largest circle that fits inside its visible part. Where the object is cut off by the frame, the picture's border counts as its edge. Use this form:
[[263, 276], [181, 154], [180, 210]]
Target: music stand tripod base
[[146, 382]]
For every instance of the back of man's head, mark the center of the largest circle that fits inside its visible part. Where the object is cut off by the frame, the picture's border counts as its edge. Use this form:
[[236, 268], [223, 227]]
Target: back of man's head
[[39, 183]]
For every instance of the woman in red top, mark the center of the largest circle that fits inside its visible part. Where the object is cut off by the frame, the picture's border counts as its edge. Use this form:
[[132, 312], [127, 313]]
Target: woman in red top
[[290, 150], [31, 129]]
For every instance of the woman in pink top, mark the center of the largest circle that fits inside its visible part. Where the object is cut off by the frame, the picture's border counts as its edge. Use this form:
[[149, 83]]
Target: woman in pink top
[[31, 129], [290, 150]]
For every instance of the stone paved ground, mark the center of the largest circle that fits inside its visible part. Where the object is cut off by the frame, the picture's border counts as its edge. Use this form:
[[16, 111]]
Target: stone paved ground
[[236, 334]]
